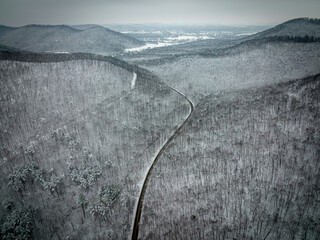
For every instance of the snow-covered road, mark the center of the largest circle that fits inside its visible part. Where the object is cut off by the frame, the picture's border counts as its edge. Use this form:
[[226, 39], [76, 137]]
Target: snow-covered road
[[135, 230], [133, 81]]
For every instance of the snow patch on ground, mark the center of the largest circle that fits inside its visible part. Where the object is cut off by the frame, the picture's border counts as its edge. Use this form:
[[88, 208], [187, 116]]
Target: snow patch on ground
[[246, 34], [133, 81], [148, 46], [169, 41], [58, 52], [142, 32], [188, 38]]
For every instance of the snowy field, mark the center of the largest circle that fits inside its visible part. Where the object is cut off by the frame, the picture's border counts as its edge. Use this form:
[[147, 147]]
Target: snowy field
[[156, 36]]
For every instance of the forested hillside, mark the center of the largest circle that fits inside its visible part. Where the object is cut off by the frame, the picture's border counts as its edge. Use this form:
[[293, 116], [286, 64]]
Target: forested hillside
[[76, 138], [299, 27], [245, 167], [79, 132], [63, 38], [265, 64], [300, 30]]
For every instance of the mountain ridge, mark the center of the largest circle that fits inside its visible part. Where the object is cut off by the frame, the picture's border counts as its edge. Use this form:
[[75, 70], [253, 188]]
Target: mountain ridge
[[298, 27], [65, 38]]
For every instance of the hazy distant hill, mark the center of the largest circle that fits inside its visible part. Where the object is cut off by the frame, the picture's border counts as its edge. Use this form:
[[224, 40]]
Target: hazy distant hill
[[4, 28], [244, 67], [9, 49], [62, 38], [87, 26], [300, 27], [268, 57], [301, 30]]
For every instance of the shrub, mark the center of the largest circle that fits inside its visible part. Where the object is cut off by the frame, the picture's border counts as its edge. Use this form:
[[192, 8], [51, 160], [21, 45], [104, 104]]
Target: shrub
[[86, 173], [107, 196], [29, 171], [18, 225]]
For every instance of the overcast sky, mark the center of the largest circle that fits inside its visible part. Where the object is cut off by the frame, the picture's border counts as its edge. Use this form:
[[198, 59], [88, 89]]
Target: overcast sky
[[238, 12]]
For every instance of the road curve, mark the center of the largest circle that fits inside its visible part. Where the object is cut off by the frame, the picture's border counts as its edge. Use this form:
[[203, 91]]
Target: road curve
[[135, 230]]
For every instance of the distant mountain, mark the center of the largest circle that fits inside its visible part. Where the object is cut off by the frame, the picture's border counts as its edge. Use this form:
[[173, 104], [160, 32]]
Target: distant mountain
[[87, 26], [300, 27], [8, 49], [4, 28], [301, 30], [63, 38], [266, 58]]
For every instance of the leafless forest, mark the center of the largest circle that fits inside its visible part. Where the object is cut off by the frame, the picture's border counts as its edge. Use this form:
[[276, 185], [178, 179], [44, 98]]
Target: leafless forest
[[79, 132]]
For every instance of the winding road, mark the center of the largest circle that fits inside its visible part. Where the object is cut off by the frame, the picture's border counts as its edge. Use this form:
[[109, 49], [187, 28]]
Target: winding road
[[135, 230]]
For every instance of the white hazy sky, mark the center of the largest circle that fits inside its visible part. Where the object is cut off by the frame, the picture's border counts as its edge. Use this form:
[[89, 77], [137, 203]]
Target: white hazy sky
[[238, 12]]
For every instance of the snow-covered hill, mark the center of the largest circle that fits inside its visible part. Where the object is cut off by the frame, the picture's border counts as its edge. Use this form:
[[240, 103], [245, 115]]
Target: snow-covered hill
[[278, 54], [299, 27], [75, 121], [63, 38]]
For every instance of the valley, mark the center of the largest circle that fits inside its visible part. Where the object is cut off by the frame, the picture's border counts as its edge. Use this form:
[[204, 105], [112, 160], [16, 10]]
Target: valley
[[211, 135]]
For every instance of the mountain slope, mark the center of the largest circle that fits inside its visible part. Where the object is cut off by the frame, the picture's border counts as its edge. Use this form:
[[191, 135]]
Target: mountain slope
[[264, 59], [245, 67], [246, 166], [62, 38], [302, 30], [76, 137], [299, 27], [8, 49]]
